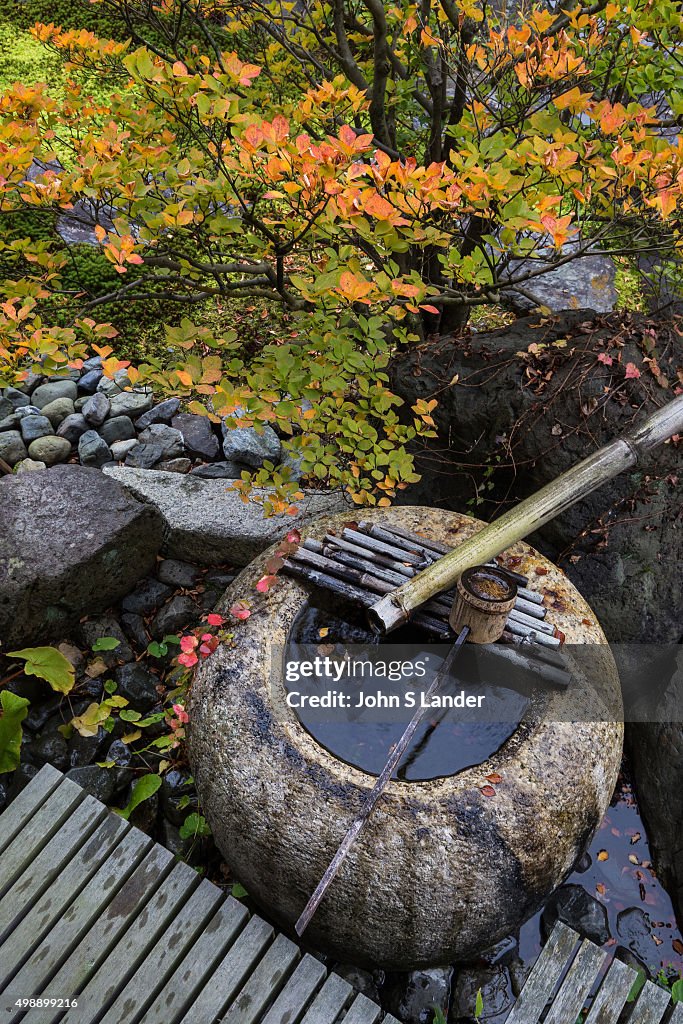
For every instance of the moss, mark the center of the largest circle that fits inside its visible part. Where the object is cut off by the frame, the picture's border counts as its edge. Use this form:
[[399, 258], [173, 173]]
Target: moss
[[628, 284]]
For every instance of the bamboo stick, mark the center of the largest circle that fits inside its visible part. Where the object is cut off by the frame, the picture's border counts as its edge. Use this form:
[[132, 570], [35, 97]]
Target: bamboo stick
[[527, 620], [623, 453], [517, 629], [380, 547], [373, 556]]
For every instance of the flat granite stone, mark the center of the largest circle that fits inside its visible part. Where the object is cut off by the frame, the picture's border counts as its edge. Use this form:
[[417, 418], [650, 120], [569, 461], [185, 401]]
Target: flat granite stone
[[207, 522], [73, 542]]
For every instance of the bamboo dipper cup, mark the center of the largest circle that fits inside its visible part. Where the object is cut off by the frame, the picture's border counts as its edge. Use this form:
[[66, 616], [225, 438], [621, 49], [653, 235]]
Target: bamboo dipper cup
[[484, 598]]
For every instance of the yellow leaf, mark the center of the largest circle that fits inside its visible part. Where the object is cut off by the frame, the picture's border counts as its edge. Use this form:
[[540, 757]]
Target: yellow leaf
[[603, 855], [130, 737]]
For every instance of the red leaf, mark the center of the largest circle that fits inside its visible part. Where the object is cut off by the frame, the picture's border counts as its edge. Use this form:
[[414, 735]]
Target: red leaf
[[488, 790], [240, 611], [632, 371], [494, 777], [293, 537]]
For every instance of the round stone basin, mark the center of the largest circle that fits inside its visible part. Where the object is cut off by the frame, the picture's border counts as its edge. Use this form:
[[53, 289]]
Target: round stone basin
[[442, 869]]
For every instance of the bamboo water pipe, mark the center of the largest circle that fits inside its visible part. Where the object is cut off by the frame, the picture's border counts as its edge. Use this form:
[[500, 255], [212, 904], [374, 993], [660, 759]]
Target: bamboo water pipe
[[623, 453]]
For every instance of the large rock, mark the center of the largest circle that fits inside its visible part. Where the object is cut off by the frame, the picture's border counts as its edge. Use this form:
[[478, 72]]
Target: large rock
[[72, 543], [528, 401], [585, 283], [207, 522]]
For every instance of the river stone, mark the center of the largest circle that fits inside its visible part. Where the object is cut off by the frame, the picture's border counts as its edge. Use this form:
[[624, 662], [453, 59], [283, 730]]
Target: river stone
[[46, 393], [58, 410], [208, 523], [89, 381], [177, 615], [170, 439], [177, 574], [33, 427], [200, 440], [12, 447], [496, 993], [16, 398], [96, 409], [174, 465], [131, 403], [161, 413], [423, 992], [108, 387], [10, 422], [118, 428], [585, 283], [50, 450], [246, 445], [93, 450], [138, 685], [119, 449], [73, 542], [72, 428], [144, 456], [29, 466], [573, 905], [464, 869], [6, 408], [218, 471], [147, 597], [99, 782]]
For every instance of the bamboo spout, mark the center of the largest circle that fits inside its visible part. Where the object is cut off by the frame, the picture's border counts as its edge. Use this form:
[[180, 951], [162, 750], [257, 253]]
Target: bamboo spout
[[623, 453]]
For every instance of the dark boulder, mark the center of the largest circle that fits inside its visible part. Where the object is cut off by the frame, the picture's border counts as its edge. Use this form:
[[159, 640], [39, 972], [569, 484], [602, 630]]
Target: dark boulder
[[73, 542]]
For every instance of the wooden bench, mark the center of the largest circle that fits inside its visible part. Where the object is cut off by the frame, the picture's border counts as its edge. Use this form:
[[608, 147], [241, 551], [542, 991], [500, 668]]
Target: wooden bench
[[92, 909], [569, 970]]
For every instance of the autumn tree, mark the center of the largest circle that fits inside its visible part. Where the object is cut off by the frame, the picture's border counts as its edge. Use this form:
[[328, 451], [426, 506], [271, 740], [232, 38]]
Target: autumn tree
[[377, 169]]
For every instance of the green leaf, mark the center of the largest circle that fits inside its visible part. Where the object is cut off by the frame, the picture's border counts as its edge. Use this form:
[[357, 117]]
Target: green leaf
[[677, 991], [14, 711], [238, 891], [110, 686], [637, 985], [438, 1017], [143, 789], [479, 1004], [47, 663], [193, 826], [106, 643], [130, 716], [157, 650]]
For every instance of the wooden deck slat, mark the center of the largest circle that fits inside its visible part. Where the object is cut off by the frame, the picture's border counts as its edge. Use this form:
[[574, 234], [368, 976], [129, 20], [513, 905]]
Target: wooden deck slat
[[676, 1014], [44, 868], [544, 976], [230, 974], [264, 983], [145, 921], [577, 985], [388, 1019], [289, 1006], [37, 832], [362, 1011], [63, 890], [26, 803], [200, 960], [650, 1005], [160, 961], [333, 997], [79, 943], [612, 994]]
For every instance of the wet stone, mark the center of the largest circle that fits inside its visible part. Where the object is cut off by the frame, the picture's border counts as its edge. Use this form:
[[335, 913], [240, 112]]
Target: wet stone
[[178, 614], [50, 747], [177, 574], [99, 782], [20, 780], [149, 595], [106, 626], [145, 814], [578, 909], [96, 409], [631, 959], [496, 993], [425, 991], [84, 750], [362, 981], [634, 929], [39, 713], [134, 626], [178, 796], [170, 838], [138, 686]]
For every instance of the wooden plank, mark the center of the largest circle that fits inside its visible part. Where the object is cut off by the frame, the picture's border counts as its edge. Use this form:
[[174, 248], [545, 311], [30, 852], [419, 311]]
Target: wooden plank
[[156, 906], [577, 985], [189, 976], [90, 928], [64, 889], [26, 803], [264, 983], [676, 1014], [44, 868], [362, 1011], [230, 973], [39, 829], [388, 1019], [289, 1006], [329, 1002], [160, 961], [650, 1005], [544, 976], [612, 994]]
